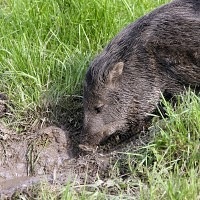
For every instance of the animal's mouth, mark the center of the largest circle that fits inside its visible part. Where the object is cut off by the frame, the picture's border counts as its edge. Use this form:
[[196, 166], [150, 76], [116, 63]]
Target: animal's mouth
[[88, 148], [91, 144], [92, 147]]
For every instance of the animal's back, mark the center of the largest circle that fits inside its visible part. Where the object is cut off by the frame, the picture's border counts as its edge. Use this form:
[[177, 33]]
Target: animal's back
[[170, 35], [174, 41], [159, 53]]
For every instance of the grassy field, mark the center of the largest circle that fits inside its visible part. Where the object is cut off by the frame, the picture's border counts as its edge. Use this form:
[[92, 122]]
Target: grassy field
[[45, 48], [46, 45]]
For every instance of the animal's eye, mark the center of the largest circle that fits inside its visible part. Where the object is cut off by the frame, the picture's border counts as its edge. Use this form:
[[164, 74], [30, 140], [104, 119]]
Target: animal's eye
[[98, 109]]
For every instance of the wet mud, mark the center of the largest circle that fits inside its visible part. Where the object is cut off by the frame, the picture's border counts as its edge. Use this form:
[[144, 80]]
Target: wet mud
[[51, 155]]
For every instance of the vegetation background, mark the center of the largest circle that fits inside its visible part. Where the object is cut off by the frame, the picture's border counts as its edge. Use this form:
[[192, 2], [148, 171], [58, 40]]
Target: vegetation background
[[45, 49]]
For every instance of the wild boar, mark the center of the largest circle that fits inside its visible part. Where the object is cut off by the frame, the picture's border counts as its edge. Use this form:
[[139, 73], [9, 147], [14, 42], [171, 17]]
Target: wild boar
[[157, 54]]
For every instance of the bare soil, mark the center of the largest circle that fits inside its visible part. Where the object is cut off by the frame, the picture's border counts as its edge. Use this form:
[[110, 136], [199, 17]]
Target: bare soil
[[51, 154]]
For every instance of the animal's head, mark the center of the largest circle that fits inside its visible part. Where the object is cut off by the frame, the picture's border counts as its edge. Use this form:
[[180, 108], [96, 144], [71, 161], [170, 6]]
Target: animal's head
[[104, 109]]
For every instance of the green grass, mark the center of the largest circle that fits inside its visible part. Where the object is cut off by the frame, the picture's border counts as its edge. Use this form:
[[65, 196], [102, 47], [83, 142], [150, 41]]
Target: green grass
[[45, 48], [168, 168], [174, 168], [46, 45]]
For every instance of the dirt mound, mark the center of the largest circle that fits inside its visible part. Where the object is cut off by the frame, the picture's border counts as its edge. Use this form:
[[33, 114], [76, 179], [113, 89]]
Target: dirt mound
[[34, 155], [30, 158], [51, 155]]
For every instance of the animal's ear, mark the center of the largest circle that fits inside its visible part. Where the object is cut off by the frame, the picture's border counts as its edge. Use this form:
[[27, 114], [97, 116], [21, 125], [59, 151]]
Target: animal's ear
[[115, 72]]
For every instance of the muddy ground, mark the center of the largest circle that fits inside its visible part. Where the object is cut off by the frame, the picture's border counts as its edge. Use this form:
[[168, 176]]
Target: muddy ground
[[50, 154]]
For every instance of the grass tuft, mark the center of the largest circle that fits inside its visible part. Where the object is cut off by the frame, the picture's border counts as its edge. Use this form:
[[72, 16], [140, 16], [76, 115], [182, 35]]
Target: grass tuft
[[169, 166]]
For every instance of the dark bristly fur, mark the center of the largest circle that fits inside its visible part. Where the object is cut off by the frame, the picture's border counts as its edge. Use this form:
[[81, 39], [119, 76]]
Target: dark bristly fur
[[159, 53]]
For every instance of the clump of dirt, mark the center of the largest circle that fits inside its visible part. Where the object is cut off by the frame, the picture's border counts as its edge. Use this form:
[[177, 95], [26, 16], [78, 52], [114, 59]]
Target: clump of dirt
[[34, 155], [52, 155]]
